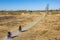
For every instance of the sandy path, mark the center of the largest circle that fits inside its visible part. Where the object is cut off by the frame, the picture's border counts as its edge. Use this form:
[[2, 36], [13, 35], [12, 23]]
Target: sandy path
[[26, 28]]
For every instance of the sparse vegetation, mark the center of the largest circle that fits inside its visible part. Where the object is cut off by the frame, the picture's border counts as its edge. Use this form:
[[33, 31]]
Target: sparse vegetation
[[11, 22], [46, 29]]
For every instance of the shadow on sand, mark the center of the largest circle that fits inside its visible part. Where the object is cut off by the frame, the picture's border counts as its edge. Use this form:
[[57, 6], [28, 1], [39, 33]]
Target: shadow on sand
[[24, 30], [14, 36]]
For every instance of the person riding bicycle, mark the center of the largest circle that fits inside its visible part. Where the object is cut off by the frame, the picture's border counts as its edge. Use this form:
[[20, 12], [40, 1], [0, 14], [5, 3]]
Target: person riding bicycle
[[9, 34], [20, 29]]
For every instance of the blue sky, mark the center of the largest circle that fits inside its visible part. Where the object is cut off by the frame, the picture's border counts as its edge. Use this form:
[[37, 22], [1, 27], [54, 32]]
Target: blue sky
[[28, 4]]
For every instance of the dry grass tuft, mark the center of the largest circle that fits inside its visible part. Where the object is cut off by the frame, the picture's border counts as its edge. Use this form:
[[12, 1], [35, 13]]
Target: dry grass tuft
[[11, 22], [47, 29]]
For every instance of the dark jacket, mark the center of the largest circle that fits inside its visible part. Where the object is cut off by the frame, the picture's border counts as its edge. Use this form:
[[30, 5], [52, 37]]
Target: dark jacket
[[9, 34], [20, 28]]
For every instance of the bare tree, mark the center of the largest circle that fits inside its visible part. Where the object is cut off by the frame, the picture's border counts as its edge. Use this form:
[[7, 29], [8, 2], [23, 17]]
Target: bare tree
[[47, 8]]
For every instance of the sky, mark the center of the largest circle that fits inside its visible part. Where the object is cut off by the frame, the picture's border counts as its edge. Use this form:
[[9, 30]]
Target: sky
[[28, 4]]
